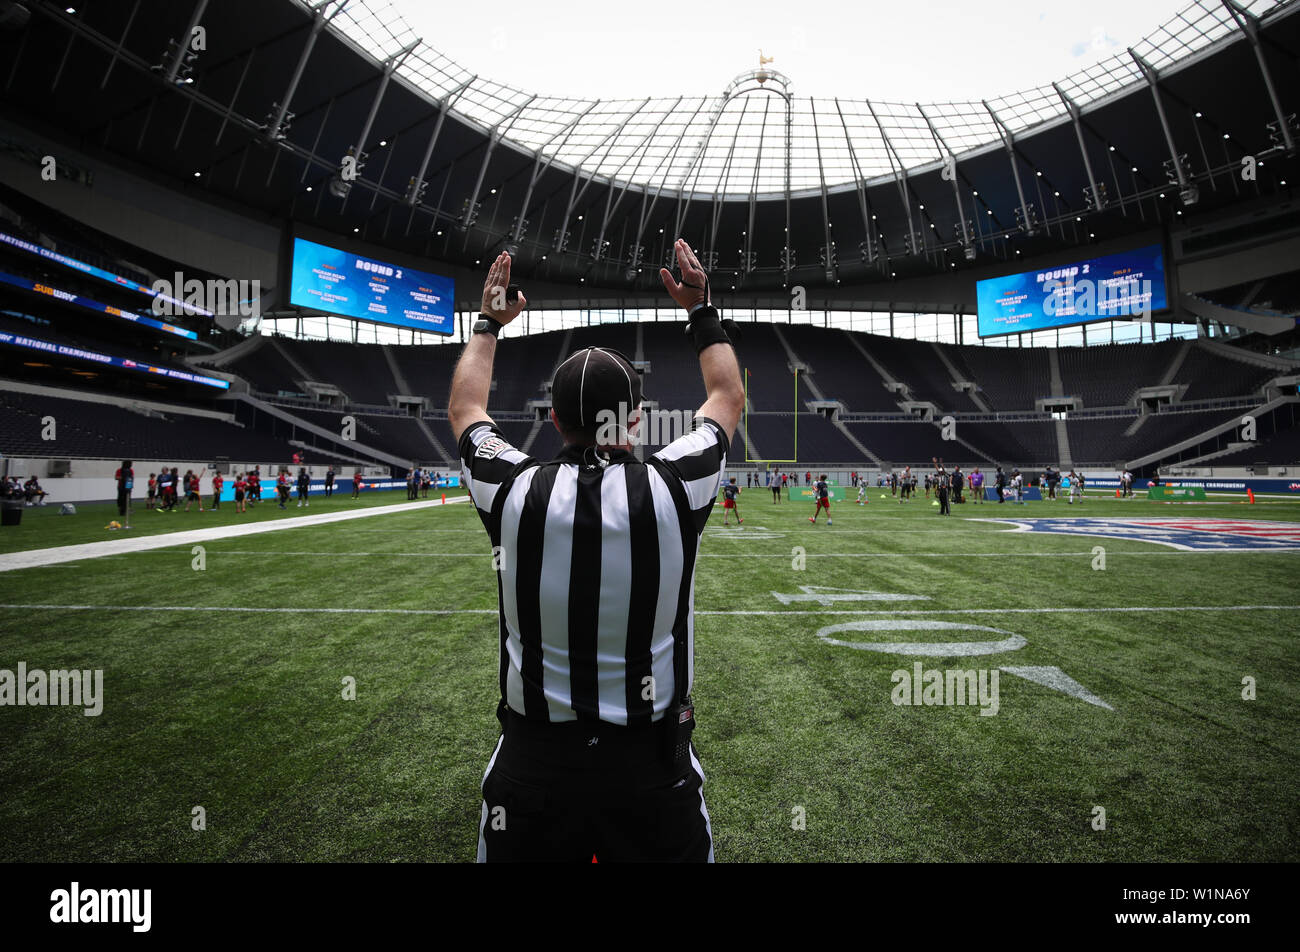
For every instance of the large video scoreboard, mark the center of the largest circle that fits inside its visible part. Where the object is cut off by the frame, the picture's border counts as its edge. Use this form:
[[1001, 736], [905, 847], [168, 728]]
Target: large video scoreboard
[[1122, 286], [367, 289]]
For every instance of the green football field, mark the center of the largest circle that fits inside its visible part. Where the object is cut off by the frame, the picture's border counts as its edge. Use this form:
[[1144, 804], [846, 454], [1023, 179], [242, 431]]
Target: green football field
[[224, 688]]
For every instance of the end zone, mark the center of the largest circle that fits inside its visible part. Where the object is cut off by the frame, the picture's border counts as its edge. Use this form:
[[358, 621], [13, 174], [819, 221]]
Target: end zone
[[1187, 535]]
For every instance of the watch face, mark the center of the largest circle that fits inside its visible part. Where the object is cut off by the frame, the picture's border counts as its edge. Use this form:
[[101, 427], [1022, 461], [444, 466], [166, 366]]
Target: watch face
[[481, 325]]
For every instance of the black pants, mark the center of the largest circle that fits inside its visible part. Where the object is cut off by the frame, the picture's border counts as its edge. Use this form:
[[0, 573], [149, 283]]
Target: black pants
[[329, 488], [568, 792], [943, 502]]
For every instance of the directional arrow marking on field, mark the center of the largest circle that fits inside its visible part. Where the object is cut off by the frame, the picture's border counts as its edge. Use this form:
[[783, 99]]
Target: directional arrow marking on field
[[1056, 679], [825, 595]]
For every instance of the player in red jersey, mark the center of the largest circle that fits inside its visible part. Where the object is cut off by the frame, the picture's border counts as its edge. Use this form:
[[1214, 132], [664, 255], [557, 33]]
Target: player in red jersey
[[217, 481], [241, 487], [823, 494], [356, 485], [192, 490], [729, 501]]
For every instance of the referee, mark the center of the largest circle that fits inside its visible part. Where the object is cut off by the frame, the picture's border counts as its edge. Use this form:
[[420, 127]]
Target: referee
[[596, 587]]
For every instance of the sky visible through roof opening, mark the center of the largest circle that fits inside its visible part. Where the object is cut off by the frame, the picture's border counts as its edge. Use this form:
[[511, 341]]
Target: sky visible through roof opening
[[923, 50]]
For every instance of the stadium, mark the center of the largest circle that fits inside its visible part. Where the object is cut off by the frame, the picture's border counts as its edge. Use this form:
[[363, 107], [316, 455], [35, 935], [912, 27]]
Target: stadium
[[252, 238]]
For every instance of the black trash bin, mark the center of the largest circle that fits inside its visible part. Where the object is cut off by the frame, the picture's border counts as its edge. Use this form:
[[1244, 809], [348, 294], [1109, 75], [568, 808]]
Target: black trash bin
[[11, 512]]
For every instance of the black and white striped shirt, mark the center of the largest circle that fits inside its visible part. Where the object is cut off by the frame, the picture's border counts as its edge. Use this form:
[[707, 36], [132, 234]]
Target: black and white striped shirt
[[596, 569]]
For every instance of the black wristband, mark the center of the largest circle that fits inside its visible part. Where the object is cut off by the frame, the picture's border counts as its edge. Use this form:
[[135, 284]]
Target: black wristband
[[493, 325], [706, 328]]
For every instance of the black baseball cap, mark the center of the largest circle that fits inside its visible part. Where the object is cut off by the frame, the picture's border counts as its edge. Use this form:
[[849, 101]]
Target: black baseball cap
[[592, 380]]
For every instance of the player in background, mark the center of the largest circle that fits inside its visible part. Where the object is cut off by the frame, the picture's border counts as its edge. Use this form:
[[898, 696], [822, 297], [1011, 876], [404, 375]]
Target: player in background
[[241, 490], [164, 478], [1081, 483], [730, 492], [329, 481], [125, 477], [976, 481], [862, 492], [823, 494], [152, 492], [217, 482], [304, 487], [192, 490], [1075, 487], [282, 484], [942, 483], [356, 485], [254, 485], [775, 485]]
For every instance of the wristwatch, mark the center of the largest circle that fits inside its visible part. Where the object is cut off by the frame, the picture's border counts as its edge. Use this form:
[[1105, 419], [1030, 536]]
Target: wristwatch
[[487, 325]]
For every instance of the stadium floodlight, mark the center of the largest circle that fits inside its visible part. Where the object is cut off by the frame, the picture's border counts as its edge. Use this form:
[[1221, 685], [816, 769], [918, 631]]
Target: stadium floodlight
[[969, 251], [468, 216], [1189, 194], [415, 189], [1279, 134], [338, 187], [1097, 200]]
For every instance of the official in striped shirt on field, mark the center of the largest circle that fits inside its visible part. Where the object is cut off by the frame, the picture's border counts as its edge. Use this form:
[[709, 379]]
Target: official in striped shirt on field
[[595, 554]]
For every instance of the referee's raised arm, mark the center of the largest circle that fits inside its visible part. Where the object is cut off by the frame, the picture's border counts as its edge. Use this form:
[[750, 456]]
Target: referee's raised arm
[[724, 391], [472, 381]]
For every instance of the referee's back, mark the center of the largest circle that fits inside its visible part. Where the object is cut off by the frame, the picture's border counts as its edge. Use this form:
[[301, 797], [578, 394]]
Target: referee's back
[[596, 555]]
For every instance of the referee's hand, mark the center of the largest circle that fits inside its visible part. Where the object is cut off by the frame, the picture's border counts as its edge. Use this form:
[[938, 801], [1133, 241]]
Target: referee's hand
[[692, 274], [495, 304]]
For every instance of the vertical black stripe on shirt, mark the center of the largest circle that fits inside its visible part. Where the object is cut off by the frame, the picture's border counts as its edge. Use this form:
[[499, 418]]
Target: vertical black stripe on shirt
[[644, 597], [528, 585], [681, 623], [584, 593], [492, 521]]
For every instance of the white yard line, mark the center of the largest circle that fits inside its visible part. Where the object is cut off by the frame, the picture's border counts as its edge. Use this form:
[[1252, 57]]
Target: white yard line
[[486, 553], [492, 611], [35, 558]]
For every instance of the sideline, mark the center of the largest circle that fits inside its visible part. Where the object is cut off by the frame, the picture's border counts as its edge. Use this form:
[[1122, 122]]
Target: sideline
[[37, 558]]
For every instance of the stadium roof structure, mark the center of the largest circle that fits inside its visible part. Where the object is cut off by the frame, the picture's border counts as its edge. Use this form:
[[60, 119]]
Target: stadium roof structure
[[286, 99], [757, 136]]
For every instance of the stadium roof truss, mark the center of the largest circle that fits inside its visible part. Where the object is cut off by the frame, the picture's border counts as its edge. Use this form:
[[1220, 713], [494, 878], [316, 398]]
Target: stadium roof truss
[[737, 147], [449, 164]]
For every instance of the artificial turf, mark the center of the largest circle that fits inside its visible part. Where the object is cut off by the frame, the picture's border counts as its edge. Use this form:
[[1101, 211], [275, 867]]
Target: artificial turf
[[223, 689]]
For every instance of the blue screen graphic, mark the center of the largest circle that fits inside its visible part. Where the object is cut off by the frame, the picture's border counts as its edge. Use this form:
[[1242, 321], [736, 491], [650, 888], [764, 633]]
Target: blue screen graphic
[[339, 282], [1126, 285]]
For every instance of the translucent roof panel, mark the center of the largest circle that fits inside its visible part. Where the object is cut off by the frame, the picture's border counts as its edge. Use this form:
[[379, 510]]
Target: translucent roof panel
[[753, 138]]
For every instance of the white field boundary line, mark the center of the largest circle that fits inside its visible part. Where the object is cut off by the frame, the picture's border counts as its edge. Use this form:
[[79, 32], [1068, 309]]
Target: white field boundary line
[[200, 609], [36, 558]]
